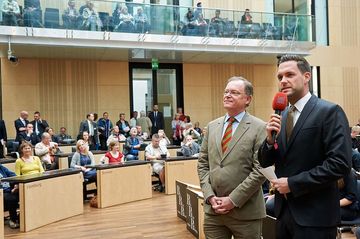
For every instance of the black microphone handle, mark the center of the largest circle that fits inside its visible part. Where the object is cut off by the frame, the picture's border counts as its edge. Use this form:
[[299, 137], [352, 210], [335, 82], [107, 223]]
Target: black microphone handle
[[273, 133]]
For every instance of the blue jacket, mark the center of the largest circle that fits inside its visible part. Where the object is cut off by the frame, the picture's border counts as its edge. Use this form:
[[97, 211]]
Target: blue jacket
[[5, 173]]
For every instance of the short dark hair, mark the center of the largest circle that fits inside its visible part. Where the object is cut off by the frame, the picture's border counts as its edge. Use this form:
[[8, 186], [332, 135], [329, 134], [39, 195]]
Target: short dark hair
[[36, 113], [302, 63]]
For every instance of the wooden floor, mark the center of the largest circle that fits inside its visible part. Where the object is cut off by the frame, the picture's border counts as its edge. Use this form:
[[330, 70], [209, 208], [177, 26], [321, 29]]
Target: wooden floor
[[151, 218]]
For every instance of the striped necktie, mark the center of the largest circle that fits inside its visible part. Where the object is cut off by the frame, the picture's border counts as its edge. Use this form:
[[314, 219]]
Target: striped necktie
[[227, 135], [290, 122]]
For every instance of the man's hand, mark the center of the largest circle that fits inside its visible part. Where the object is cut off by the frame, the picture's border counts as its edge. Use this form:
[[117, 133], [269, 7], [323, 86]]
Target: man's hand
[[222, 205], [281, 185], [274, 124]]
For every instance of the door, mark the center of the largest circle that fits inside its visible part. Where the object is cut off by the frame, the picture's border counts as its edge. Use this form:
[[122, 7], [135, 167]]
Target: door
[[162, 87]]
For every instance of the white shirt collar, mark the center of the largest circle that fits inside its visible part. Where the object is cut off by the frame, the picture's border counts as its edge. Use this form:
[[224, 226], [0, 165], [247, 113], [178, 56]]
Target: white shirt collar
[[300, 104], [237, 117]]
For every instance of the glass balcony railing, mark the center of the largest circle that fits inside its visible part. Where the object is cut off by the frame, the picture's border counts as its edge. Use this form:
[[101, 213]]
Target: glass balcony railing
[[131, 17]]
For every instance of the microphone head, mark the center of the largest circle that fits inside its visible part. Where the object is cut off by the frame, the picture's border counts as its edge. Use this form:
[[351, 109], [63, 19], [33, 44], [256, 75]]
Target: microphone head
[[280, 101]]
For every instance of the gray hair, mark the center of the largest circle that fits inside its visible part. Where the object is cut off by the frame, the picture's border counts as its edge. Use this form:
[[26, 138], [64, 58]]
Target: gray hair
[[248, 87]]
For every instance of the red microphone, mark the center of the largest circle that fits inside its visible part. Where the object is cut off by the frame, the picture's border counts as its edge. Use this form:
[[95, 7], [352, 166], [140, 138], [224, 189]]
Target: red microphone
[[279, 104]]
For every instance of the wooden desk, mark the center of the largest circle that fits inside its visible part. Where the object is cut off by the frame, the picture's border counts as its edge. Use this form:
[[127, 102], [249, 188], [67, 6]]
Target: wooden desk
[[9, 163], [64, 161], [1, 214], [173, 150], [66, 148], [180, 168], [48, 197], [122, 183]]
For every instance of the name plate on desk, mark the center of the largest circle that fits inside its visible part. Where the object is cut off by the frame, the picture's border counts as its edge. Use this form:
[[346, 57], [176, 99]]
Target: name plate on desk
[[40, 176]]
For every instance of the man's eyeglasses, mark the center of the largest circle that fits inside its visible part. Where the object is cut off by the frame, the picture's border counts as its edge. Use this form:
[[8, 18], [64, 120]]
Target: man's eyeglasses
[[232, 92]]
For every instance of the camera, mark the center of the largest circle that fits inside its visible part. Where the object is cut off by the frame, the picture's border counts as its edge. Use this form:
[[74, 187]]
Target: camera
[[12, 58]]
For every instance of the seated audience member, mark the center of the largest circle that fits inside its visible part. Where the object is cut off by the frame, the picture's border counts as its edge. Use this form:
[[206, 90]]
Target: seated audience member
[[114, 155], [29, 135], [355, 158], [32, 13], [124, 126], [90, 127], [145, 123], [355, 134], [177, 126], [164, 140], [198, 10], [71, 16], [91, 19], [189, 130], [82, 158], [86, 5], [50, 131], [142, 135], [197, 127], [133, 120], [201, 25], [46, 150], [63, 137], [190, 27], [202, 135], [86, 139], [39, 124], [246, 18], [190, 147], [27, 163], [218, 23], [104, 127], [115, 136], [10, 10], [126, 23], [116, 14], [155, 151], [141, 21], [132, 146], [11, 197], [349, 206]]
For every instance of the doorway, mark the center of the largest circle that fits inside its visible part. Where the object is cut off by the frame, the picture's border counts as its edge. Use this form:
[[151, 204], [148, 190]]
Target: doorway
[[163, 87]]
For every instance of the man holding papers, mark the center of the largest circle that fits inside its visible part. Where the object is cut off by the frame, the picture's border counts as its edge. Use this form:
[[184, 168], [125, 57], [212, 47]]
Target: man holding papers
[[311, 152]]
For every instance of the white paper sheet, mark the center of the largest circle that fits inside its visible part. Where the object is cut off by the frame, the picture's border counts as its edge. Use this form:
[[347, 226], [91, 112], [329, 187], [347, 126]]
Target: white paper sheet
[[268, 172]]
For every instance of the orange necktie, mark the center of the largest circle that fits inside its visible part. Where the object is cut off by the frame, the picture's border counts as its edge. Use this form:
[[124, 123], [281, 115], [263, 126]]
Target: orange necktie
[[227, 135]]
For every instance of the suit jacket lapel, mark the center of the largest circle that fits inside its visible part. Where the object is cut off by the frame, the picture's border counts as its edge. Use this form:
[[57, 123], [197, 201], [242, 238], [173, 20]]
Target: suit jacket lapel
[[218, 134], [301, 120], [240, 131]]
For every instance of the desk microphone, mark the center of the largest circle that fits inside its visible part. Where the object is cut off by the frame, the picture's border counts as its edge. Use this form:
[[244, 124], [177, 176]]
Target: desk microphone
[[279, 104]]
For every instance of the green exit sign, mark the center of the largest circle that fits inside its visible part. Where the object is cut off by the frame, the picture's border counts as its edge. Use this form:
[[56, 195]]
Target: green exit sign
[[154, 63]]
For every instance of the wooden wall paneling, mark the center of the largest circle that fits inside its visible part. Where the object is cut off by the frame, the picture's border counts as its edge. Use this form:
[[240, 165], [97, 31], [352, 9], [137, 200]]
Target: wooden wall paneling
[[220, 73], [349, 21], [351, 93]]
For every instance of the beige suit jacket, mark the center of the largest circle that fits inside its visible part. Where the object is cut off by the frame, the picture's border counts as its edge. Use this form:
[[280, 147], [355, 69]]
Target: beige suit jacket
[[234, 173]]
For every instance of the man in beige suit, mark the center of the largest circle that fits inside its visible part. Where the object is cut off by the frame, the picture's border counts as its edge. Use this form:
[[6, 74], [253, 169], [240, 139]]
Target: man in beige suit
[[227, 168]]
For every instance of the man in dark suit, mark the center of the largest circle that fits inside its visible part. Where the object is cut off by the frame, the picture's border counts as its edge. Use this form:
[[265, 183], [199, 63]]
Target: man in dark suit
[[311, 152], [20, 124], [157, 120], [39, 124], [228, 168], [90, 126], [29, 135], [3, 138]]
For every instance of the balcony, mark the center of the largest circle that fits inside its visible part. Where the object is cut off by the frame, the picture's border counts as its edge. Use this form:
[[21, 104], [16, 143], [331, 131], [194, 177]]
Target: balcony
[[142, 31]]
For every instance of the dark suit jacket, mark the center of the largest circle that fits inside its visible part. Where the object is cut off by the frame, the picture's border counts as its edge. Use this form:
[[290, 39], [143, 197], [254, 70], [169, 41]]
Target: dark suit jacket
[[157, 122], [18, 125], [84, 126], [33, 138], [3, 134], [41, 126], [127, 134], [317, 154]]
